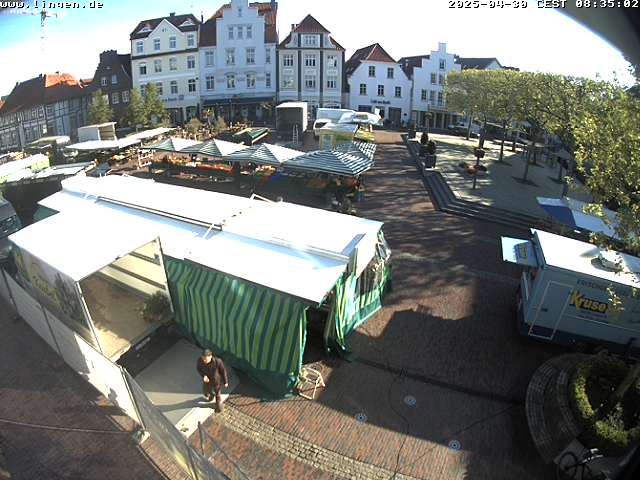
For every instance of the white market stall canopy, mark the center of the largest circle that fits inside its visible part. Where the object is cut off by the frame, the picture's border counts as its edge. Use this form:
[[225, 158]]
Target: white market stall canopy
[[173, 144], [265, 154], [79, 246], [16, 167], [296, 250], [214, 148], [147, 134], [99, 145], [27, 175]]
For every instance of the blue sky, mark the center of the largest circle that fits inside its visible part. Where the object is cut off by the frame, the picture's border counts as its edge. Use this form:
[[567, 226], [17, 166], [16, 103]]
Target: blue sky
[[531, 39]]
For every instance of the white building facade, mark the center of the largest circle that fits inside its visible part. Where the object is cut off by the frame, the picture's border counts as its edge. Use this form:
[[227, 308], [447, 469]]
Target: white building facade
[[311, 67], [376, 80], [429, 74], [164, 51], [237, 61]]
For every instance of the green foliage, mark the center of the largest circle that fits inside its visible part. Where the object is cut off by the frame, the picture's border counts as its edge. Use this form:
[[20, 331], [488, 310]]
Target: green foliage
[[135, 114], [99, 109], [220, 125], [156, 307], [592, 384], [154, 110], [194, 125]]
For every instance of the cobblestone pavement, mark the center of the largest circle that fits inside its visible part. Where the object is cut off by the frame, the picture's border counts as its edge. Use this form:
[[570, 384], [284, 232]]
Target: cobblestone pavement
[[440, 367], [36, 387]]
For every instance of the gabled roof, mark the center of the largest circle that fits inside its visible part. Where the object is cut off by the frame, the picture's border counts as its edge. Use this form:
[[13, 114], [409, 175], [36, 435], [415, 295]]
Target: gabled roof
[[214, 148], [372, 53], [208, 36], [144, 28], [477, 63], [42, 90], [409, 63], [286, 41], [265, 154], [310, 25]]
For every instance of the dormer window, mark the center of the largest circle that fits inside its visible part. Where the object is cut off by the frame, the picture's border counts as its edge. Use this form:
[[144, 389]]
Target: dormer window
[[310, 40], [145, 29], [187, 23]]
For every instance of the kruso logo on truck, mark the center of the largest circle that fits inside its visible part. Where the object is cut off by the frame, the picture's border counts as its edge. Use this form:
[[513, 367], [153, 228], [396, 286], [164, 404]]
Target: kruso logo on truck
[[582, 302]]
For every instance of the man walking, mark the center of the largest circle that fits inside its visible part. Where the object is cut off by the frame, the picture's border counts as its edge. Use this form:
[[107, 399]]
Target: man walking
[[214, 376]]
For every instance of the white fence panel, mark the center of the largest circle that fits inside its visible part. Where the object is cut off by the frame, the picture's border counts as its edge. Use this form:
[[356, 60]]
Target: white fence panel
[[31, 311], [4, 289], [97, 369]]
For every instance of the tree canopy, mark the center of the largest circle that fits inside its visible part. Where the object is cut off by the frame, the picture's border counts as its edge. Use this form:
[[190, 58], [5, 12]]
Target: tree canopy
[[153, 107], [99, 110]]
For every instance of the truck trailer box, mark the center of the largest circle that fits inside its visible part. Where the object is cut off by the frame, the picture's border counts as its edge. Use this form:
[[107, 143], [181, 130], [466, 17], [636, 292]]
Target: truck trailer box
[[567, 292]]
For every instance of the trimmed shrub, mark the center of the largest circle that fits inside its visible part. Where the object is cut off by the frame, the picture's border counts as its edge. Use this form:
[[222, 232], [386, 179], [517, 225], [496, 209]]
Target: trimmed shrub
[[591, 385], [156, 307]]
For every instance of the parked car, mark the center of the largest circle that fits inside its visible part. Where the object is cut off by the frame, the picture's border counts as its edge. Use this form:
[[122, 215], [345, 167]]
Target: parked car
[[460, 128]]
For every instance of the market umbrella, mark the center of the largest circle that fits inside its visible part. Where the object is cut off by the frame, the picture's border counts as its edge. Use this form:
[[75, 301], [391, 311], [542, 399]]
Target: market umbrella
[[173, 144], [264, 154], [335, 162], [214, 148], [570, 212]]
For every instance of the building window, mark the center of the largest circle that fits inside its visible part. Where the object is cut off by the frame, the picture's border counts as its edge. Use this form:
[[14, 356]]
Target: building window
[[332, 82], [309, 60], [103, 81], [390, 72], [332, 61], [381, 90], [143, 68], [159, 88], [363, 89], [210, 82], [191, 40], [209, 58], [309, 81], [251, 80], [432, 96], [267, 55], [423, 95], [114, 79], [230, 33], [231, 56], [287, 60], [433, 79], [251, 56], [372, 71], [173, 64], [398, 92], [191, 62], [191, 85], [172, 43], [267, 80], [157, 66], [143, 89], [231, 81], [249, 31], [440, 99], [173, 87], [287, 81], [239, 11], [125, 96], [156, 44], [139, 47], [441, 79], [443, 64], [310, 40], [240, 32], [115, 98]]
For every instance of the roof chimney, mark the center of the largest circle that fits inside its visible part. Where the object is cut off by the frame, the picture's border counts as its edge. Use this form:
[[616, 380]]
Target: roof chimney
[[172, 14]]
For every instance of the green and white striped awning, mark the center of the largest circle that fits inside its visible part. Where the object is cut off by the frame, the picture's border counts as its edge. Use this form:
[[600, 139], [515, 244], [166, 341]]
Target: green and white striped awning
[[366, 148], [214, 148], [265, 154], [335, 162], [173, 144]]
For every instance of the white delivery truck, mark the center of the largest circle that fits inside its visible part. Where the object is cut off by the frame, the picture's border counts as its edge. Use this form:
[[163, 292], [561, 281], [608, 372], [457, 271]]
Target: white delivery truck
[[565, 292], [325, 116], [290, 116]]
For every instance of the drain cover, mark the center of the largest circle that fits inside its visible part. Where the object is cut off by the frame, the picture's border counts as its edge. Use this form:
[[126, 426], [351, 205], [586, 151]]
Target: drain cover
[[361, 417], [455, 445], [410, 400]]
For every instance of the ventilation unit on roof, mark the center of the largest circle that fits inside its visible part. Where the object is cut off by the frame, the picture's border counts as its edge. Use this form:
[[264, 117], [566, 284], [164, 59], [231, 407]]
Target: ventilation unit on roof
[[610, 260]]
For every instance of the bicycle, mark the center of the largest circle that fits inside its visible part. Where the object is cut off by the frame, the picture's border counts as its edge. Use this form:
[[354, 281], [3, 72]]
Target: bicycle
[[578, 468]]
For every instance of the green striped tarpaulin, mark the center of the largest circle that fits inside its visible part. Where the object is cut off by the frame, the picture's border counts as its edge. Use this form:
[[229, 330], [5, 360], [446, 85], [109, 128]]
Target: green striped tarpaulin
[[260, 331]]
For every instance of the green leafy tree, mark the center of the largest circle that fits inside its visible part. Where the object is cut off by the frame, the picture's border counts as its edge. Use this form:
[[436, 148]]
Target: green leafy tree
[[153, 107], [135, 114], [99, 110], [461, 91]]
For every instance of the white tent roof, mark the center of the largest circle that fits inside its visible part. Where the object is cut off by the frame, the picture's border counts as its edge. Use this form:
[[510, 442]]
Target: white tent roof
[[15, 166], [154, 132], [79, 247], [118, 144], [297, 250]]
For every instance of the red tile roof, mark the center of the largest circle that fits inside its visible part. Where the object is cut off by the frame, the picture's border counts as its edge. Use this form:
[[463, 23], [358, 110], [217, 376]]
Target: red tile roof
[[208, 29], [310, 25], [373, 53], [42, 90], [175, 20]]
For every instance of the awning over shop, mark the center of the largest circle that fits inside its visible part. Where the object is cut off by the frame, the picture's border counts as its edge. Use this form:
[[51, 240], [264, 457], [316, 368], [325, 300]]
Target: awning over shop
[[335, 162], [214, 148], [173, 144], [79, 243], [236, 101], [98, 145], [265, 154]]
